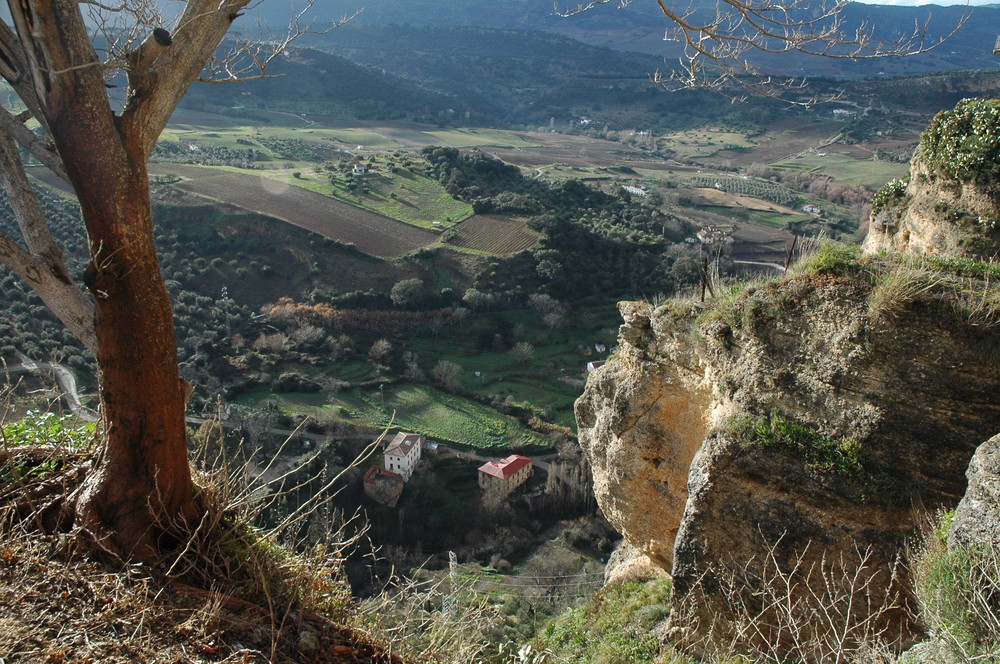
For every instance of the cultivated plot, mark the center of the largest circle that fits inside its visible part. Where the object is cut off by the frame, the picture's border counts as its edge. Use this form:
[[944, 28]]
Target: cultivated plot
[[493, 234], [369, 232]]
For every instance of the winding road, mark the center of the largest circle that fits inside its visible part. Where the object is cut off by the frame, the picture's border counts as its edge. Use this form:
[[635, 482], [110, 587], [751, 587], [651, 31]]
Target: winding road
[[776, 266], [66, 379]]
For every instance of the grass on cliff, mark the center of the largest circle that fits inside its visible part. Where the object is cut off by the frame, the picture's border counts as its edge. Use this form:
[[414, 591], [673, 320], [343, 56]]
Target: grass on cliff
[[234, 591], [845, 456], [614, 627], [962, 291], [957, 590]]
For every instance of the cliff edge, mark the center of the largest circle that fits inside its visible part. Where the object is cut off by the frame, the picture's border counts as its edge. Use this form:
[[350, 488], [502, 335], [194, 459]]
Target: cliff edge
[[795, 423], [950, 203]]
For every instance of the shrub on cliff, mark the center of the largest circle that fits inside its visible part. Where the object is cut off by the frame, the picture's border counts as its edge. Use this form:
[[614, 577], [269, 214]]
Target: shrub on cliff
[[964, 143]]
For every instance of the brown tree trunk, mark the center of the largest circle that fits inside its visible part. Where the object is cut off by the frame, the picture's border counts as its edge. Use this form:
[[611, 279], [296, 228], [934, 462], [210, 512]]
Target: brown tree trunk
[[141, 391], [139, 487]]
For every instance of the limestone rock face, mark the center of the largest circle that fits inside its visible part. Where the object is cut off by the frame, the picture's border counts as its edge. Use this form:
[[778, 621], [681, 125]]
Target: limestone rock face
[[788, 425], [977, 517], [937, 216], [645, 419], [950, 205]]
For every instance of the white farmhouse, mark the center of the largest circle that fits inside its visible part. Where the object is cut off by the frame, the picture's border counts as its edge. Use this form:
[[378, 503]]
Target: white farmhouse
[[403, 453]]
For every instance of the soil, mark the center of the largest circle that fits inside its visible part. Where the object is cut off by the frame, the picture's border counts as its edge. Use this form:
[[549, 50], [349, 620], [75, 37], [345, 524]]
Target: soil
[[58, 606], [371, 233]]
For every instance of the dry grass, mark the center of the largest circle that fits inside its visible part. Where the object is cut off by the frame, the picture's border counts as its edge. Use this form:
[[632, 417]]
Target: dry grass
[[815, 609], [231, 592]]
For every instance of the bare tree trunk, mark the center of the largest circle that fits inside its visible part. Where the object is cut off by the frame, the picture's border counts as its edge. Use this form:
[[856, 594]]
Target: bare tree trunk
[[141, 390], [139, 487]]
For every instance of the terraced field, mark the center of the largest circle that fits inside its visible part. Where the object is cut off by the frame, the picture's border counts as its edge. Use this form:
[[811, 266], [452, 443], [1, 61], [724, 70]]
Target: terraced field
[[493, 234], [371, 233]]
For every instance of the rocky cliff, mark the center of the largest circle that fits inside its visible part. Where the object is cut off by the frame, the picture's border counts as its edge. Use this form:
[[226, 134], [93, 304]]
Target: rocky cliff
[[950, 203], [794, 423]]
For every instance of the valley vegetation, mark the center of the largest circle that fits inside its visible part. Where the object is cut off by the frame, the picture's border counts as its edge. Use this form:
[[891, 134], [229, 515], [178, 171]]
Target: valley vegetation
[[469, 315]]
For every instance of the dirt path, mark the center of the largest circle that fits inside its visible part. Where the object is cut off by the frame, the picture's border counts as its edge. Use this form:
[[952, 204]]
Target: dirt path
[[67, 382]]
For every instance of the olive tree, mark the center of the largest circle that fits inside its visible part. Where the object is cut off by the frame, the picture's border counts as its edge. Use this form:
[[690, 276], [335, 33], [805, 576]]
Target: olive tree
[[139, 486]]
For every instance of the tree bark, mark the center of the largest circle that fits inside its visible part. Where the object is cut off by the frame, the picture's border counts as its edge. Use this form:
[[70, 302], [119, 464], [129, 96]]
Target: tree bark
[[140, 386], [139, 488]]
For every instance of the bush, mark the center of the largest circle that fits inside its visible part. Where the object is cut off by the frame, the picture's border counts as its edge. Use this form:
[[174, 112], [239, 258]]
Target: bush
[[958, 592], [892, 192], [965, 143]]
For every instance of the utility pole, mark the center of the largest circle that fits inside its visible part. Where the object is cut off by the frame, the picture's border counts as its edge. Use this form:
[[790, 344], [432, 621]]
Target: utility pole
[[449, 601]]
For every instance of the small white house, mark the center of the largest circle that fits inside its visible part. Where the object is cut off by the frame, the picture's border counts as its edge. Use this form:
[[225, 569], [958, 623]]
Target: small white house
[[403, 453]]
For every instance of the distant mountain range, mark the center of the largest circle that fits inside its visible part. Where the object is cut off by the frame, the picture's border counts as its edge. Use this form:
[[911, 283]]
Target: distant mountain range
[[640, 28]]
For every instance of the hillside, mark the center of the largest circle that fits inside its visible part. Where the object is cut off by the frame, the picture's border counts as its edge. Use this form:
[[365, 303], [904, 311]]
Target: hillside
[[640, 28]]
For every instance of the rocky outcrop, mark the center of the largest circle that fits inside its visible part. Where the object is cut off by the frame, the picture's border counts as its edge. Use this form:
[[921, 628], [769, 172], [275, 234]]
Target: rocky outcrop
[[794, 424], [977, 517], [649, 417], [935, 215], [950, 203]]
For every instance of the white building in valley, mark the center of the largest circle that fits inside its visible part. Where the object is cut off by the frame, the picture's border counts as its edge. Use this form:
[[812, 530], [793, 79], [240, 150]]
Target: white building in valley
[[403, 453]]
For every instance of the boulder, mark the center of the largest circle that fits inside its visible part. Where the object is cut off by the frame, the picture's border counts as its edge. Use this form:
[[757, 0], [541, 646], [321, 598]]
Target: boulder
[[977, 517]]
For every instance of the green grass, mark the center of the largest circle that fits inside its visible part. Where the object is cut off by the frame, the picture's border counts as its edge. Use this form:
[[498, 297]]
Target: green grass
[[612, 628], [705, 142], [405, 195], [478, 137], [957, 590], [776, 432], [438, 415], [847, 170], [776, 219], [548, 381]]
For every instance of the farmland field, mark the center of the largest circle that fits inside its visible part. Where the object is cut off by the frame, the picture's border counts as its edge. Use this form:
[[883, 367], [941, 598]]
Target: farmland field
[[493, 234], [846, 169], [438, 415], [371, 233]]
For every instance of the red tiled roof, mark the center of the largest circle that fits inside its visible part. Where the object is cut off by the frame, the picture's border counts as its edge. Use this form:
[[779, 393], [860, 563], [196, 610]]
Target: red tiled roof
[[505, 467], [377, 473]]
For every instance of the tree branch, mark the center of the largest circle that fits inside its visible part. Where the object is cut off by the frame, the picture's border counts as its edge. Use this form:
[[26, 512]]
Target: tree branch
[[156, 88], [717, 50], [41, 265], [66, 301], [14, 69], [41, 150]]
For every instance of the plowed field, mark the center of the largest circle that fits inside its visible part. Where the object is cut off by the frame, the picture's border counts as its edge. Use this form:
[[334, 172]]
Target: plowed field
[[494, 234], [371, 233]]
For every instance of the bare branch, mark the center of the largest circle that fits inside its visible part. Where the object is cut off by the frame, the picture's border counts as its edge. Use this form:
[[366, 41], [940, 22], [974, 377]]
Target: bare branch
[[14, 69], [718, 49], [40, 149], [250, 59], [41, 265]]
